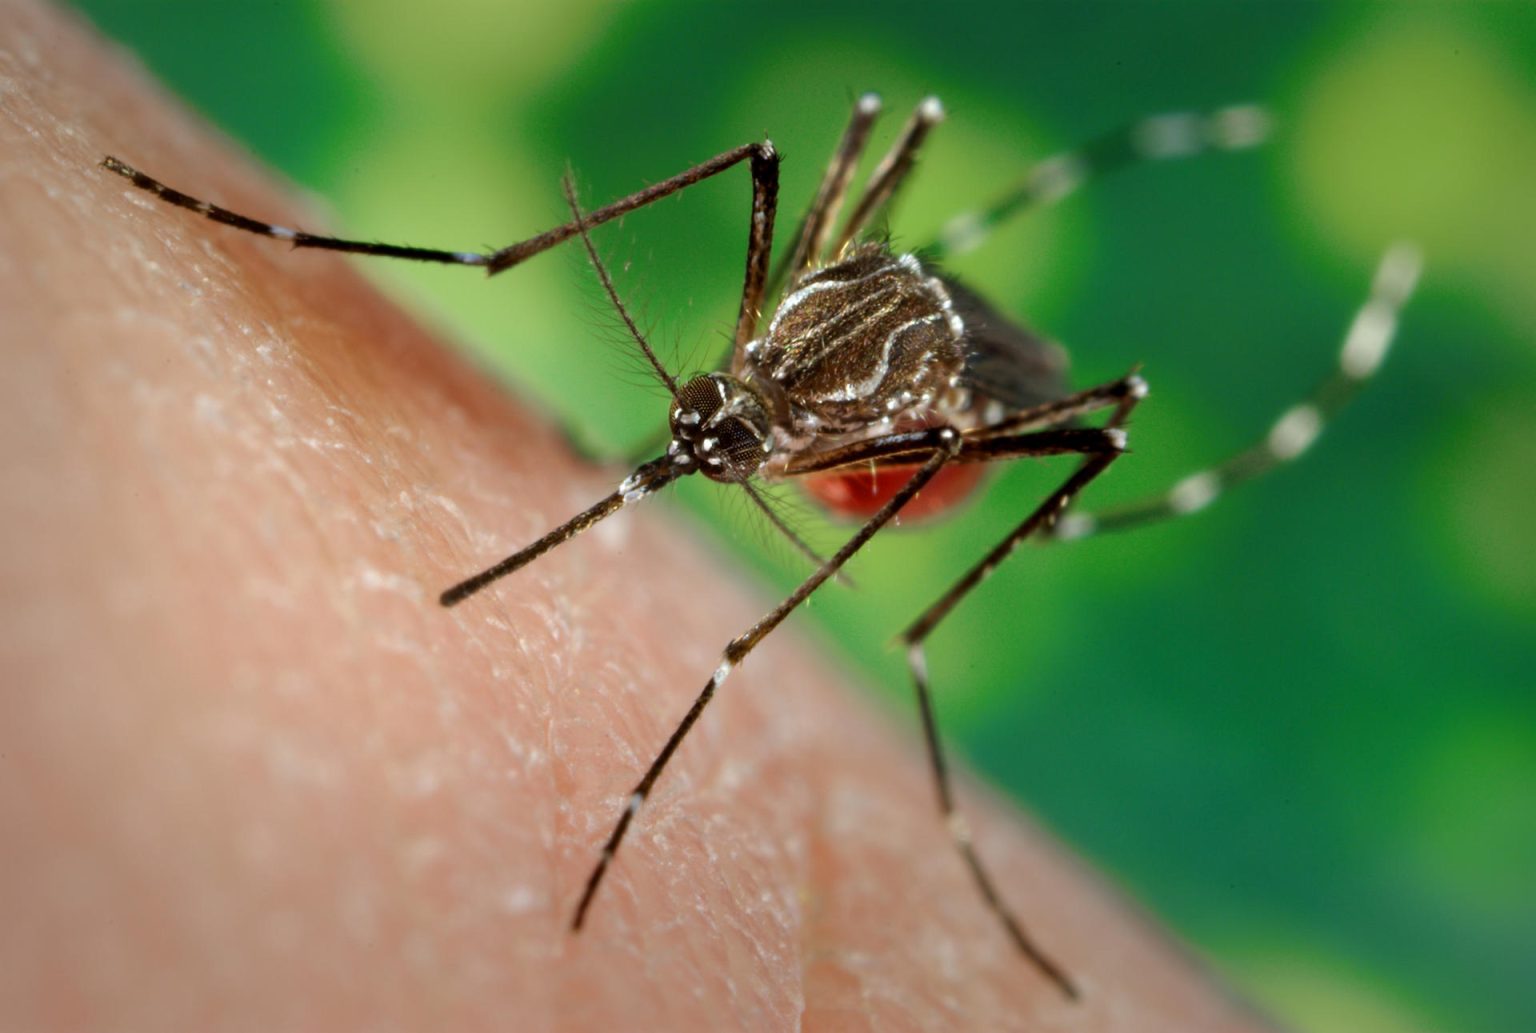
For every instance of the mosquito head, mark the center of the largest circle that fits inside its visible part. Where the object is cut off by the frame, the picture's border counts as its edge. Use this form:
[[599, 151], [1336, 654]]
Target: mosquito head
[[720, 427]]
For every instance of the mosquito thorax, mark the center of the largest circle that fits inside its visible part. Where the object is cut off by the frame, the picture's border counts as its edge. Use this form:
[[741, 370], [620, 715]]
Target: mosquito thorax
[[868, 345], [859, 344], [720, 427]]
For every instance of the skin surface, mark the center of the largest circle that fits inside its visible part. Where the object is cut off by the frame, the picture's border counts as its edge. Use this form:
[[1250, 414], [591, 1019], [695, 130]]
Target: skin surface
[[253, 776]]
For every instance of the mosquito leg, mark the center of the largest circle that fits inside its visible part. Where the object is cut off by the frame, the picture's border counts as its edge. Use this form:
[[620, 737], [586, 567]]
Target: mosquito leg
[[1101, 446], [298, 238], [765, 194], [816, 226], [762, 154], [1154, 138], [943, 443], [647, 479], [1364, 349], [1123, 394], [891, 172], [913, 638], [1024, 433], [905, 449], [513, 254]]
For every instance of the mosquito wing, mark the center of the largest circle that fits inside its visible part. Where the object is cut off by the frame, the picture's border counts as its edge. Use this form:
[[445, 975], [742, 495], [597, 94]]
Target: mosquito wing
[[1005, 361]]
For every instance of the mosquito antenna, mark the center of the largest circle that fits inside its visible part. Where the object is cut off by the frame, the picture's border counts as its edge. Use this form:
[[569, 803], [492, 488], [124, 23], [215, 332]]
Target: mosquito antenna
[[788, 532], [648, 478], [569, 183]]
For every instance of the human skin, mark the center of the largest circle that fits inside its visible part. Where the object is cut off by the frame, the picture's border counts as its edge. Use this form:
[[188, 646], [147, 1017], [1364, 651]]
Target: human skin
[[253, 776]]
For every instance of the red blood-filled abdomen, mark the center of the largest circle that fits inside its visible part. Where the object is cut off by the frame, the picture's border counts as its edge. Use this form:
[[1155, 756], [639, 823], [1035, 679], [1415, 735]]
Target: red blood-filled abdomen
[[858, 493]]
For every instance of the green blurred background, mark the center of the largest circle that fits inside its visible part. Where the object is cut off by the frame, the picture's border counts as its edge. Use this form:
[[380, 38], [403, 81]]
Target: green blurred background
[[1302, 725]]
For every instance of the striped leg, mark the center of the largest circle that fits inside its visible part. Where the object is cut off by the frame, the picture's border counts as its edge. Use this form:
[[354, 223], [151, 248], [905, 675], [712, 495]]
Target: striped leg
[[811, 239], [1365, 348], [1044, 430], [890, 174], [298, 238], [942, 444], [1041, 519], [765, 163], [1154, 138]]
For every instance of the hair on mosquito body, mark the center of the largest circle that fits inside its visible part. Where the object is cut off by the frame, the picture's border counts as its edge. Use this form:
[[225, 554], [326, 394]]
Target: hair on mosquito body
[[885, 388]]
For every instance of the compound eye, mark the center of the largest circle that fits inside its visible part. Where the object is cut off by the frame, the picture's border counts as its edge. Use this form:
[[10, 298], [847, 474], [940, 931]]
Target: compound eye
[[698, 401], [741, 446]]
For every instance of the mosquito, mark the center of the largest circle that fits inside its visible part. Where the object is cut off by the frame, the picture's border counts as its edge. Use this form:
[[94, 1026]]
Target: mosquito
[[884, 387]]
